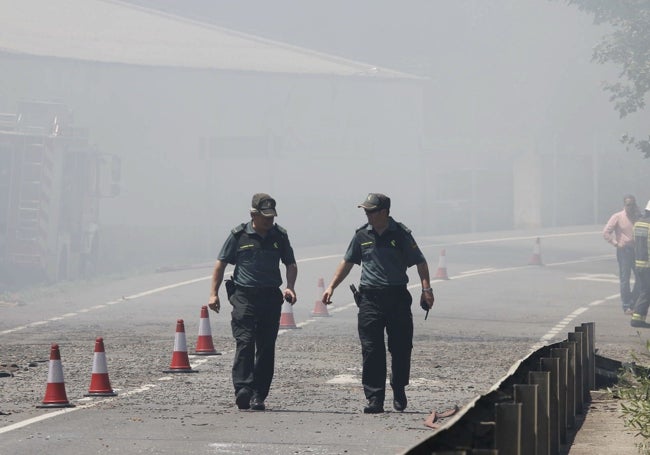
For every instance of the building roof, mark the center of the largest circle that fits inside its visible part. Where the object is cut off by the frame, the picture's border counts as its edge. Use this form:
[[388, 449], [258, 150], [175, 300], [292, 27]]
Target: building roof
[[111, 31]]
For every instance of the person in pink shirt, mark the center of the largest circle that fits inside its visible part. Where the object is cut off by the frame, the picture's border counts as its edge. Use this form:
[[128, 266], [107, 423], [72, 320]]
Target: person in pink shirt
[[619, 232]]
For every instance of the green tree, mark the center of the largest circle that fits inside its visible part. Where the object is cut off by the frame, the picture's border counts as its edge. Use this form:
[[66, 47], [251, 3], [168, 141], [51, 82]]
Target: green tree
[[628, 47]]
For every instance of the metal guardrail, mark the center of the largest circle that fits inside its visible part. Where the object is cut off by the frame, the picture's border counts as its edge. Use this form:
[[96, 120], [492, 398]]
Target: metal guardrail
[[533, 409]]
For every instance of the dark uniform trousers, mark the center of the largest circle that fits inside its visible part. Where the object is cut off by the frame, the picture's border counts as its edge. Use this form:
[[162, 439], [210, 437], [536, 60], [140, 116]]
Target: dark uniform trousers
[[387, 309], [255, 323]]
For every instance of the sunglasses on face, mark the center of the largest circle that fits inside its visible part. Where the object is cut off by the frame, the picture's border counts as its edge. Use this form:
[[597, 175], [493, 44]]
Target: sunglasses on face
[[369, 212]]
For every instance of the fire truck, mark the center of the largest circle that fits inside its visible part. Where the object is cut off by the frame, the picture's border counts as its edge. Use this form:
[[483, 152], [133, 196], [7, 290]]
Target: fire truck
[[51, 183]]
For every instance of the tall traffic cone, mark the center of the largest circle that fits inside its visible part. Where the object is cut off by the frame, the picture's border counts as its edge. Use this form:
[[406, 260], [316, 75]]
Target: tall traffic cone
[[204, 344], [180, 360], [55, 396], [286, 317], [320, 309], [100, 385], [441, 273], [536, 258]]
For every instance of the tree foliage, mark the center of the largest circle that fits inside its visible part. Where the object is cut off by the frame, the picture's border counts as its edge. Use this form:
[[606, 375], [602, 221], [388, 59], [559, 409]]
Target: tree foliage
[[628, 47]]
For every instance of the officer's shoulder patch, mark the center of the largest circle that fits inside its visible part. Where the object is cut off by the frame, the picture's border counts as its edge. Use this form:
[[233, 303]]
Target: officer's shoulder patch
[[282, 230], [361, 227], [407, 230], [239, 228]]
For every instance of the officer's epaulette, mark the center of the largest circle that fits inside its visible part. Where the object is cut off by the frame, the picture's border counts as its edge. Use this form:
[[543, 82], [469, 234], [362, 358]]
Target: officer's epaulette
[[282, 230], [408, 231], [361, 227], [239, 228]]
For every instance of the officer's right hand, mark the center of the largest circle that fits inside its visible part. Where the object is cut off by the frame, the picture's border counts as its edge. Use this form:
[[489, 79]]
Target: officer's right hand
[[214, 303], [327, 296]]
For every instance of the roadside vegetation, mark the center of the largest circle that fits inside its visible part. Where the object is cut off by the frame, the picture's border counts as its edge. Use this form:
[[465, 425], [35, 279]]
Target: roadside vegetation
[[633, 388]]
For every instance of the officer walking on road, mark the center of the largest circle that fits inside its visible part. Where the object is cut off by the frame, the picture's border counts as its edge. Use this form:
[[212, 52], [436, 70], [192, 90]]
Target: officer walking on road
[[256, 249], [642, 263], [385, 249]]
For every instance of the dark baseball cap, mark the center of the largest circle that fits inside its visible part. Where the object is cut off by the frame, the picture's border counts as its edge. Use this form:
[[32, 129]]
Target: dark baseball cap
[[263, 204], [375, 201]]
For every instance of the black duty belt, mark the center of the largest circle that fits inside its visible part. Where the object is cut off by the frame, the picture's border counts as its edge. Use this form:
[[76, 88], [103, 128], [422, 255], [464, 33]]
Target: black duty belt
[[400, 287], [256, 290]]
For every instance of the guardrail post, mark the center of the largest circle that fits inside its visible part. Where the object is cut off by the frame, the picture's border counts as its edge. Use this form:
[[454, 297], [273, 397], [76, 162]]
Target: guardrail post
[[571, 383], [585, 362], [542, 379], [552, 365], [526, 394], [561, 355], [508, 428], [591, 352], [580, 394]]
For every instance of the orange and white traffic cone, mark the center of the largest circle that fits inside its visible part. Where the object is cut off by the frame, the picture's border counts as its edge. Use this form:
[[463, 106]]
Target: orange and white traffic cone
[[536, 258], [204, 344], [100, 385], [286, 317], [180, 360], [441, 273], [320, 309], [55, 396]]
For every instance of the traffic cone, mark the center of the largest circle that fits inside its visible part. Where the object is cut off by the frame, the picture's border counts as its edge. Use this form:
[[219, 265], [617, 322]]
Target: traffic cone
[[55, 396], [204, 344], [441, 273], [100, 385], [320, 309], [536, 258], [180, 360], [286, 317]]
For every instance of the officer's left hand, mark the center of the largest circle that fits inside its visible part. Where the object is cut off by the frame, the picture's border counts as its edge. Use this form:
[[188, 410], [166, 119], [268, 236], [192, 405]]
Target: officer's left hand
[[429, 298]]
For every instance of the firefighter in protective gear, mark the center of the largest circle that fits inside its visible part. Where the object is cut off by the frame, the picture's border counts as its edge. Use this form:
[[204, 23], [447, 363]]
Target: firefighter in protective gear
[[642, 264]]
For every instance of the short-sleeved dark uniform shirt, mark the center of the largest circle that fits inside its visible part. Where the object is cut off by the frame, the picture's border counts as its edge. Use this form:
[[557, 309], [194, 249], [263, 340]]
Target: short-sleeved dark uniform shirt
[[256, 258], [384, 258]]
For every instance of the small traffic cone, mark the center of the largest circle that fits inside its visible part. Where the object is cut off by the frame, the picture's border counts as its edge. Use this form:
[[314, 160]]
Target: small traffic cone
[[286, 317], [320, 309], [204, 344], [55, 396], [180, 360], [441, 273], [536, 258], [100, 385]]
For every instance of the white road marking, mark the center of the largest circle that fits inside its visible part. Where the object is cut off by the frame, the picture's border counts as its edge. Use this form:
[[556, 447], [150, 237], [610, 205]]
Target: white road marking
[[595, 277], [486, 269], [344, 379], [508, 239]]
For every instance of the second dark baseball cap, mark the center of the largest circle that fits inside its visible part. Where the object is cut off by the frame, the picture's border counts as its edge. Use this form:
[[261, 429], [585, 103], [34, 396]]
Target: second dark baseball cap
[[375, 201]]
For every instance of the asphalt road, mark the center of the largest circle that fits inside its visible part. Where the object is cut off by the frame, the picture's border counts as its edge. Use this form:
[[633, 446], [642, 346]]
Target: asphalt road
[[493, 311]]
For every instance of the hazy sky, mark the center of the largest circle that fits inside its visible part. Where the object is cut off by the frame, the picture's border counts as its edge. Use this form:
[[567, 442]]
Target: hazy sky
[[515, 60]]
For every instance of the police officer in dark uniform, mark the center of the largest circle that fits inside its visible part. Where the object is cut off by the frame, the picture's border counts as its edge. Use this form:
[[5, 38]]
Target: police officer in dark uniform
[[385, 249], [256, 249]]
